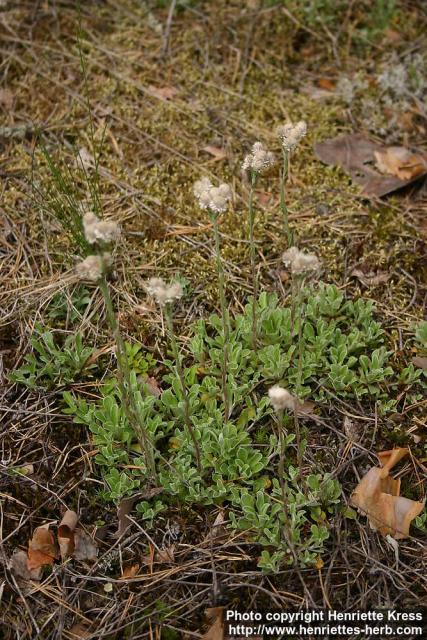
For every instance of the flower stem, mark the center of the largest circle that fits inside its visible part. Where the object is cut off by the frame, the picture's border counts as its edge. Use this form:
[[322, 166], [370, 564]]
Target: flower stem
[[296, 330], [253, 259], [284, 208], [224, 314], [180, 372], [124, 380]]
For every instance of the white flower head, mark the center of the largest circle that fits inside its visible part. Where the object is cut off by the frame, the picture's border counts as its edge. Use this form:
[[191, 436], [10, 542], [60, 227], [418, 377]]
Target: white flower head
[[210, 197], [290, 134], [93, 267], [259, 160], [162, 292], [97, 230], [300, 262], [281, 398], [201, 186], [289, 256]]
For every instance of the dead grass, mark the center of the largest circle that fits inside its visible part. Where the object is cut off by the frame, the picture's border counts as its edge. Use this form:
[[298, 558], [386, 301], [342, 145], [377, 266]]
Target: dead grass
[[237, 74]]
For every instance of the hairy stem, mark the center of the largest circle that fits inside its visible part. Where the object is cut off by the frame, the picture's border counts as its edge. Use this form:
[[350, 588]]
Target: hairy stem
[[124, 380], [224, 315], [283, 207], [253, 259], [296, 328], [180, 372]]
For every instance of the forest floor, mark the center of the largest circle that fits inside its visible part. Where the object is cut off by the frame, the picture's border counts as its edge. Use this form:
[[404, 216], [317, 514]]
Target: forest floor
[[174, 103]]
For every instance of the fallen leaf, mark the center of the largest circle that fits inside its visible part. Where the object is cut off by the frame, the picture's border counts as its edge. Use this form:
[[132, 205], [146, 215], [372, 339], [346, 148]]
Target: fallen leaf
[[355, 154], [163, 93], [378, 497], [165, 556], [126, 506], [420, 362], [6, 98], [18, 564], [406, 121], [66, 533], [85, 548], [400, 162], [218, 531], [153, 387], [217, 152], [326, 83], [42, 549], [392, 35], [370, 279], [79, 631], [306, 408], [216, 630], [130, 572], [264, 197]]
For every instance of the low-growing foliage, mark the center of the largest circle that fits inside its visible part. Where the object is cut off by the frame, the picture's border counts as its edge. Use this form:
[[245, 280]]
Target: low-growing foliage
[[51, 365], [71, 308], [343, 353]]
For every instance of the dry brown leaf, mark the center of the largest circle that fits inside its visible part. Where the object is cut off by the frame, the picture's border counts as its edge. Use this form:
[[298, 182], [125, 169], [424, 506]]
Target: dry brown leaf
[[306, 408], [326, 83], [6, 98], [165, 556], [153, 387], [130, 572], [18, 564], [370, 279], [420, 362], [264, 197], [80, 630], [85, 548], [218, 531], [378, 497], [164, 93], [356, 155], [66, 533], [392, 35], [216, 630], [400, 162], [42, 549], [217, 152], [406, 121], [126, 506]]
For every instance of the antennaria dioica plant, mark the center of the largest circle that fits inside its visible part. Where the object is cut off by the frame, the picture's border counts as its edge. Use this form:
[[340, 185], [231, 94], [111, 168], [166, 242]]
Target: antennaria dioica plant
[[211, 436], [215, 200], [256, 162], [289, 135]]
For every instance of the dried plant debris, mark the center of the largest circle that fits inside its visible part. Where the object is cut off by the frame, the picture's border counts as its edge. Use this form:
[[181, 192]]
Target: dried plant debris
[[400, 162], [378, 169], [378, 497], [44, 549], [216, 631]]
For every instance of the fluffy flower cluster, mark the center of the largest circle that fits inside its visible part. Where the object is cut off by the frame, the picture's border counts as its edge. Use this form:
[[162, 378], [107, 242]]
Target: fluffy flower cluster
[[164, 293], [259, 160], [290, 134], [93, 267], [300, 262], [281, 399], [210, 197], [97, 230]]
